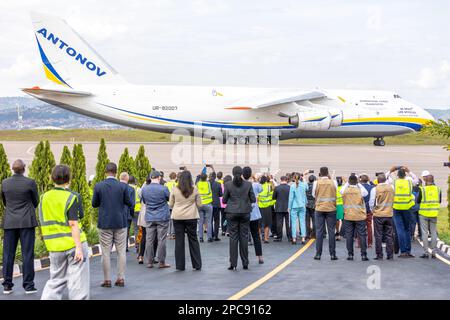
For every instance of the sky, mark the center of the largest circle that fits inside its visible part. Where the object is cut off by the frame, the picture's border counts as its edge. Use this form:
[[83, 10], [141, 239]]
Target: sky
[[401, 46]]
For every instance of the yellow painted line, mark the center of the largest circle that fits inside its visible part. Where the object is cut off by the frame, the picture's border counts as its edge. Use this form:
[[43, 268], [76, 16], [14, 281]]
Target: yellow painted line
[[147, 119], [272, 273], [394, 119]]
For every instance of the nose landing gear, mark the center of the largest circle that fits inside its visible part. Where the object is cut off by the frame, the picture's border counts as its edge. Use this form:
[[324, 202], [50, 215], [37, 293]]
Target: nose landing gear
[[379, 142]]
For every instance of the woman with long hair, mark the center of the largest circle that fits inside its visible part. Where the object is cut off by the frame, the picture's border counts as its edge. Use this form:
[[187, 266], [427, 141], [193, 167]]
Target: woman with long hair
[[185, 201], [238, 196], [297, 207]]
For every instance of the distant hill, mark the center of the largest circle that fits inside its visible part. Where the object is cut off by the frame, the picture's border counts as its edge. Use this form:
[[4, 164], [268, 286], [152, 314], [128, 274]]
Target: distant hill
[[37, 114]]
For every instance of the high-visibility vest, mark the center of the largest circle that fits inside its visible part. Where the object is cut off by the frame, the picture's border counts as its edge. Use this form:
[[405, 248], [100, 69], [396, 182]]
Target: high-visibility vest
[[204, 189], [354, 206], [220, 181], [339, 200], [325, 195], [170, 184], [429, 206], [272, 203], [137, 200], [403, 196], [55, 228], [265, 196], [384, 198]]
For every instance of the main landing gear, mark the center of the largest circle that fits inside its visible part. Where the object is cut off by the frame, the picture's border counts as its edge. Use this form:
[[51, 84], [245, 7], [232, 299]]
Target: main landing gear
[[251, 140], [379, 142]]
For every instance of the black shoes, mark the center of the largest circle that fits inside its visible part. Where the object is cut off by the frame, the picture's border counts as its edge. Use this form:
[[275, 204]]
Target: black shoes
[[245, 267], [231, 268], [390, 258], [350, 257], [217, 239], [210, 240], [201, 240], [7, 289], [317, 257], [378, 258], [333, 257], [277, 240], [425, 256], [364, 258], [30, 290]]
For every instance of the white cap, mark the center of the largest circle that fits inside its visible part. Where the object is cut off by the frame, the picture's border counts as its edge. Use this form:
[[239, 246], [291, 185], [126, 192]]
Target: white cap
[[425, 173], [91, 177]]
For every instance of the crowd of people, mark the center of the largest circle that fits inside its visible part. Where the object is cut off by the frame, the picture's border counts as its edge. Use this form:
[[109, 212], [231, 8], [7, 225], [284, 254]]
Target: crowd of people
[[249, 208]]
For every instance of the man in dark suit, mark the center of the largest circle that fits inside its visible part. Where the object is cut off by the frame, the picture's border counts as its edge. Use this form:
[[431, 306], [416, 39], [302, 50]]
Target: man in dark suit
[[113, 200], [281, 195], [20, 196]]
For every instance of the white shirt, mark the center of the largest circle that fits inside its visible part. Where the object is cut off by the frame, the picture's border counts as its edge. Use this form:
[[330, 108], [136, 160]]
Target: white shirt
[[315, 185], [373, 193], [409, 176], [359, 185]]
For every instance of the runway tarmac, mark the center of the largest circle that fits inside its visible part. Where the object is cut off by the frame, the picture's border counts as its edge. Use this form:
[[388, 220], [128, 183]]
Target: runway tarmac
[[343, 159], [303, 278]]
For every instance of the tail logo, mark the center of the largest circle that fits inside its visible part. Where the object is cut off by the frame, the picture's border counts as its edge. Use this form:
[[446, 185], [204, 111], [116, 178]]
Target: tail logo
[[72, 52]]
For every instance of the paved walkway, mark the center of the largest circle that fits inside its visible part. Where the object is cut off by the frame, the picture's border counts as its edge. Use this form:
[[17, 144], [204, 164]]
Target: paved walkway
[[303, 278]]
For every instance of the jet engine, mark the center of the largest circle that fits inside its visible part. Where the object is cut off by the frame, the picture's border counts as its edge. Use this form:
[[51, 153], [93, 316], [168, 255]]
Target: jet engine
[[312, 120]]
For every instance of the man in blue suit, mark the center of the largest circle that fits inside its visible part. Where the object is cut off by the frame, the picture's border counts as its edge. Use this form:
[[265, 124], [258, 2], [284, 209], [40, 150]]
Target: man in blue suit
[[113, 200]]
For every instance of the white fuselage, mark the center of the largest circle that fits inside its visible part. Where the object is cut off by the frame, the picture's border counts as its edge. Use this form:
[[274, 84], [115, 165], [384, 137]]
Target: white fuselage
[[167, 108]]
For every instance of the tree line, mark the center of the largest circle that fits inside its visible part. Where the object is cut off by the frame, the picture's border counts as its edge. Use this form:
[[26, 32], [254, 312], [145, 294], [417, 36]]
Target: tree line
[[44, 161]]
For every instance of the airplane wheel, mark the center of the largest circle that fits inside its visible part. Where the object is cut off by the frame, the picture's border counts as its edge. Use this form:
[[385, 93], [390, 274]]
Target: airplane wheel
[[262, 140], [231, 140], [381, 143], [253, 140], [241, 140], [375, 142]]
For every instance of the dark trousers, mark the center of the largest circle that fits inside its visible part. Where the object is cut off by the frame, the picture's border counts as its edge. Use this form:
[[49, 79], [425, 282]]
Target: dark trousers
[[402, 220], [238, 225], [10, 241], [415, 223], [384, 229], [359, 228], [256, 236], [280, 217], [310, 223], [223, 218], [216, 222], [328, 219], [273, 227], [129, 223], [189, 228]]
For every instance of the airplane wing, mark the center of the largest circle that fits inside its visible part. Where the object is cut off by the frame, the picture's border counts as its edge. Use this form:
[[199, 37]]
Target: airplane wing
[[272, 99]]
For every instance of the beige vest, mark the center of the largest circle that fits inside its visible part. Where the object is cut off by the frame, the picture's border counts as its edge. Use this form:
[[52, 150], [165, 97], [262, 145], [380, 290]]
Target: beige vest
[[354, 207], [384, 198], [325, 195]]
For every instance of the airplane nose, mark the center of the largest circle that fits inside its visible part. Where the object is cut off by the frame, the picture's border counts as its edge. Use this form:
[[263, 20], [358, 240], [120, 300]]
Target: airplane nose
[[428, 116]]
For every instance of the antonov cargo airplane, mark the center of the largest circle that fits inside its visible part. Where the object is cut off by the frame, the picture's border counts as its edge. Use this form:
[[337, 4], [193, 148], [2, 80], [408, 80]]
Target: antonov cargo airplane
[[89, 85]]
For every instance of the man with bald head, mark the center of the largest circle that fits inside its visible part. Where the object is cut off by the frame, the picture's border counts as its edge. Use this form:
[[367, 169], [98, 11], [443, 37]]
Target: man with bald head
[[20, 196]]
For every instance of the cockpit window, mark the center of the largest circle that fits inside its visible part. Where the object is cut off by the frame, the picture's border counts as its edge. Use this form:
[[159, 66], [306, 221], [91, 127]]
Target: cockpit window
[[396, 96]]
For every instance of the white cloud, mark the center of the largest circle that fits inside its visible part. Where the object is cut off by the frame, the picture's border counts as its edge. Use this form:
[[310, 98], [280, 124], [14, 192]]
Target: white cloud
[[433, 77]]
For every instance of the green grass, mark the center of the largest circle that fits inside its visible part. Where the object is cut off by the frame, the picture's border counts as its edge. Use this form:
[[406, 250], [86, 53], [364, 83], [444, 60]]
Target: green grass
[[443, 226], [81, 135]]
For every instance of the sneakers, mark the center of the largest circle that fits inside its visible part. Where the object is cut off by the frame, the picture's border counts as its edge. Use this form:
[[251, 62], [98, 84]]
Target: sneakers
[[30, 290], [7, 290]]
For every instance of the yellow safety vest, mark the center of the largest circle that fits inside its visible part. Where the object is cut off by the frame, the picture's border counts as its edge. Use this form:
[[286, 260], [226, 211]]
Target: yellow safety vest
[[220, 181], [403, 196], [265, 197], [204, 189], [272, 203], [137, 200], [339, 200], [429, 206], [55, 228], [170, 184]]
